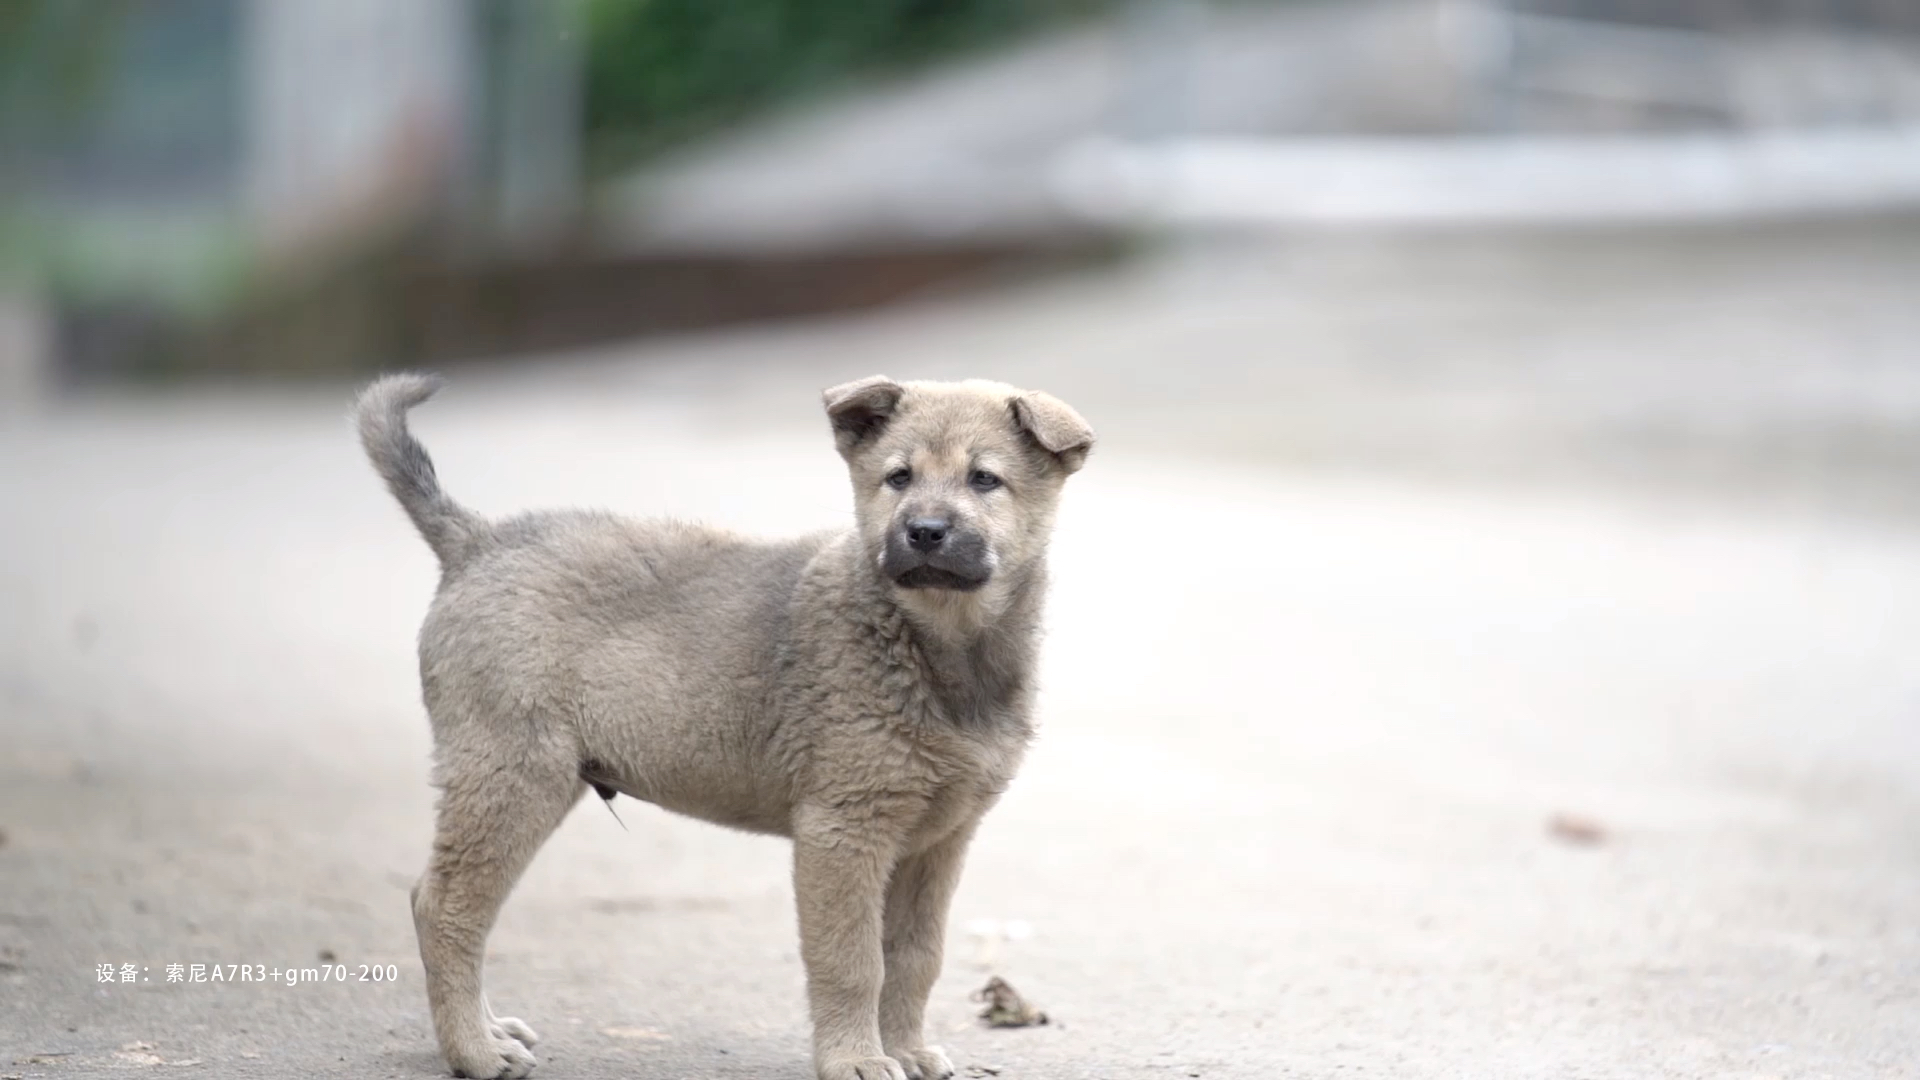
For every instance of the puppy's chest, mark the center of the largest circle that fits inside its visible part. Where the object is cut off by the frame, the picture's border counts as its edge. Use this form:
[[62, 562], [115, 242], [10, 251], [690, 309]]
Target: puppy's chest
[[960, 784]]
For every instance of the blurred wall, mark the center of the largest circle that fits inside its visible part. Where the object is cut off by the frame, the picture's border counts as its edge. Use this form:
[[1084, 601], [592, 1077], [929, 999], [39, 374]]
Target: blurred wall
[[353, 107]]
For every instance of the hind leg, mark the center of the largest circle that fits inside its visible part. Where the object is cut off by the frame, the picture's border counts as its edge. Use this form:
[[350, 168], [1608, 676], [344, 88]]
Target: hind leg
[[491, 820], [509, 1027]]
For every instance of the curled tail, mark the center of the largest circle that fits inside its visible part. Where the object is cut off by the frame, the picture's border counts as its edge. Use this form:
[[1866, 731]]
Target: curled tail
[[380, 413]]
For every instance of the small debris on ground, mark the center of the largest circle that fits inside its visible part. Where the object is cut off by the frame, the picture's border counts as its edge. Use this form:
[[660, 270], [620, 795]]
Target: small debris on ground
[[328, 956], [1576, 830], [983, 1070], [1005, 1006]]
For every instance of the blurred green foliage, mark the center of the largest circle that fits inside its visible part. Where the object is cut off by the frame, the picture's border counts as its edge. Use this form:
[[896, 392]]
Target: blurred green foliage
[[120, 124], [662, 71], [53, 57]]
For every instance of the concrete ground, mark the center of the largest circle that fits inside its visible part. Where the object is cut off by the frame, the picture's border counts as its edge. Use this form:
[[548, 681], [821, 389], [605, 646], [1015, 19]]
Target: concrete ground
[[1395, 550]]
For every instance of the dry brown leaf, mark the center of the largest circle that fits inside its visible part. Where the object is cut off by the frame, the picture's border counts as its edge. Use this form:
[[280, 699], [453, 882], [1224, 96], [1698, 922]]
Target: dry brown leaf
[[1005, 1006]]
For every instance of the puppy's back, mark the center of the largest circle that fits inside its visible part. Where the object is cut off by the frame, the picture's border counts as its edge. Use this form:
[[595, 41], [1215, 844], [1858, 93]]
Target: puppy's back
[[586, 606]]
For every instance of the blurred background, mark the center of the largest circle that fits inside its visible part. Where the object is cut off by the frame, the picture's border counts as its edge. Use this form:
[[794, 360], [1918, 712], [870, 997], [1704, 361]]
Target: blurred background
[[1481, 645], [308, 186]]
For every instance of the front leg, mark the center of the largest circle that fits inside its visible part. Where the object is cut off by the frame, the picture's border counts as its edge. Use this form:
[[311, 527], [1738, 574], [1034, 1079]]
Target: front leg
[[840, 870], [914, 939]]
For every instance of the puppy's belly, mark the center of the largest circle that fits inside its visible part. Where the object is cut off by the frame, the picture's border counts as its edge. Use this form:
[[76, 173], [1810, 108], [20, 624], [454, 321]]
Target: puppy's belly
[[743, 814], [731, 798], [683, 724]]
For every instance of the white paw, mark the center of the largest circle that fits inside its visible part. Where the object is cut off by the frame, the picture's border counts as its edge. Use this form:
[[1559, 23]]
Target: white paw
[[868, 1068], [924, 1063], [506, 1027], [492, 1057]]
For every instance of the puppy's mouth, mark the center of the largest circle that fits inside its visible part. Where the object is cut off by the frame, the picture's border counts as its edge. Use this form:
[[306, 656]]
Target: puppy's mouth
[[925, 576]]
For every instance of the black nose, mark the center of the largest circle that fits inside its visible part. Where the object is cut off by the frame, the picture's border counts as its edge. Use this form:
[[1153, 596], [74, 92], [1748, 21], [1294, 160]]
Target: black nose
[[926, 534]]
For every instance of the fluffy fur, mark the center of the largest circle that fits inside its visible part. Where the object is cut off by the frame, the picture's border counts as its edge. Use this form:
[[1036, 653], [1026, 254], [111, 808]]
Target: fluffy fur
[[813, 688]]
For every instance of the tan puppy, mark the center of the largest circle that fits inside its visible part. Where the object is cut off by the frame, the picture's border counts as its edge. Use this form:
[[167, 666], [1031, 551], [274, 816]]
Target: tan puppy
[[866, 693]]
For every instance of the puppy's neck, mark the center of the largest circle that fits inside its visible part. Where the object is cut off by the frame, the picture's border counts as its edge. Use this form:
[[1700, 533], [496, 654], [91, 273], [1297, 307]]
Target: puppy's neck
[[973, 652], [944, 619], [958, 623]]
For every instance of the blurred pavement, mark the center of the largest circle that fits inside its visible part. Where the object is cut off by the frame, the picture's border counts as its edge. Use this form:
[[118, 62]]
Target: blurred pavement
[[1391, 553]]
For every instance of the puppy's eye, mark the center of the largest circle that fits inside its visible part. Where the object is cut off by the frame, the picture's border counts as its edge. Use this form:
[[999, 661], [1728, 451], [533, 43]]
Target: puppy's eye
[[898, 479], [982, 480]]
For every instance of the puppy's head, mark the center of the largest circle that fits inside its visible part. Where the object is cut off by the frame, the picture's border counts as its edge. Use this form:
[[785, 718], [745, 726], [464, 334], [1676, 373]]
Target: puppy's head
[[954, 484]]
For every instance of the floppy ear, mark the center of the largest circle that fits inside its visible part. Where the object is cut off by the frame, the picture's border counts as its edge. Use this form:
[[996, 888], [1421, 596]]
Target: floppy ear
[[859, 409], [1055, 426]]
